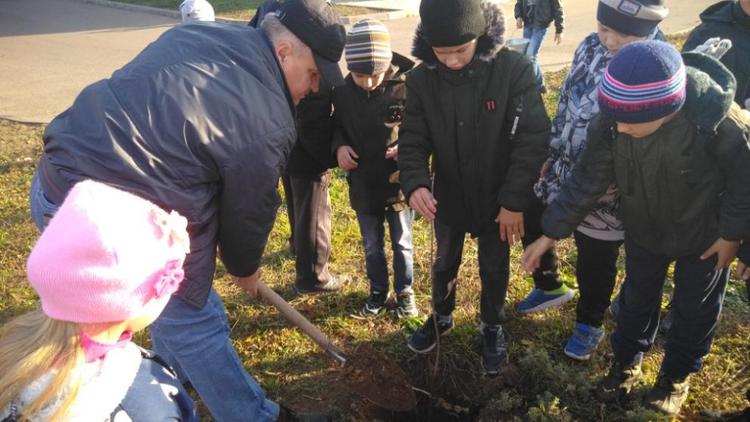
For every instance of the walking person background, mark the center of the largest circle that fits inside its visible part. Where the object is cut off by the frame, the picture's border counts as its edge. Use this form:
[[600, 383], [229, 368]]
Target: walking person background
[[599, 236], [535, 17], [671, 136], [369, 109], [172, 128], [104, 269]]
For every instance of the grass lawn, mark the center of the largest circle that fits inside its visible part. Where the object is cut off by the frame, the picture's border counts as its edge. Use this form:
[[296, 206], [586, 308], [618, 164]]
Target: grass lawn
[[541, 384], [239, 9]]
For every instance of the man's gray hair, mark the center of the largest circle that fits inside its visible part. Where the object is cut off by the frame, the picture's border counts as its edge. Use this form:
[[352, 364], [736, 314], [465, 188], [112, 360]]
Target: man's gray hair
[[277, 32]]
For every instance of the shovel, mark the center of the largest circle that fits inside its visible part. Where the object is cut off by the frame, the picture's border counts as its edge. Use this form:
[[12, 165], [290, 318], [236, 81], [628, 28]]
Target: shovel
[[368, 372]]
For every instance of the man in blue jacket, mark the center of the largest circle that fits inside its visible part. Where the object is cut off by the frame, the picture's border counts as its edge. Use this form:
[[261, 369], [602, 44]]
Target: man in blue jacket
[[202, 122]]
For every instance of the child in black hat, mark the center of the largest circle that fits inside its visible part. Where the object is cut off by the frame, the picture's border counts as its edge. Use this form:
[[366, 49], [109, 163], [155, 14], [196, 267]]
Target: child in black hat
[[474, 107]]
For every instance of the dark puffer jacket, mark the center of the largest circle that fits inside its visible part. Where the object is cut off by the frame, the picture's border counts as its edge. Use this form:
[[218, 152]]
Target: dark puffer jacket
[[369, 123], [464, 120], [726, 19], [540, 13], [680, 188], [200, 122]]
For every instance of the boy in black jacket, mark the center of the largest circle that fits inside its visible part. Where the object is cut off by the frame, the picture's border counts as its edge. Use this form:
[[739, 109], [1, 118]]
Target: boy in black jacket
[[673, 140], [367, 117], [474, 107]]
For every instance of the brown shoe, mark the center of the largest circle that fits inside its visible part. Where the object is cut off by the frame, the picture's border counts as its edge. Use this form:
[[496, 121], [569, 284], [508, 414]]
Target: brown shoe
[[333, 284]]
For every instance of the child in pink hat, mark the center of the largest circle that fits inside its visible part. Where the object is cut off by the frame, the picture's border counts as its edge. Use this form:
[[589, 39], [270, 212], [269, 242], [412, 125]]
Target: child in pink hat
[[104, 269]]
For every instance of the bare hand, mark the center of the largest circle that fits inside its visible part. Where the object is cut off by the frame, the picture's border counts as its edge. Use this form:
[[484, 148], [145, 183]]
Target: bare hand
[[725, 251], [519, 23], [533, 253], [511, 225], [743, 271], [545, 168], [346, 157], [392, 153], [558, 38], [424, 203], [249, 283]]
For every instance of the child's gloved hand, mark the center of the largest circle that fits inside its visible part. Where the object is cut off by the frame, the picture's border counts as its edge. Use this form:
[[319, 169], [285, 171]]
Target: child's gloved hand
[[714, 47]]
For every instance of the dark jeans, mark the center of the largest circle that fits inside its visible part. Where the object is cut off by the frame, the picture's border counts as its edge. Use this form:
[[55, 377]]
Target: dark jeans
[[309, 210], [596, 271], [373, 234], [696, 305], [494, 268]]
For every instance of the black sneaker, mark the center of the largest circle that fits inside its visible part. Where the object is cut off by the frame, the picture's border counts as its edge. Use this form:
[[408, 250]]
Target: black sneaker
[[494, 350], [618, 382], [425, 337], [668, 394], [406, 305], [375, 304]]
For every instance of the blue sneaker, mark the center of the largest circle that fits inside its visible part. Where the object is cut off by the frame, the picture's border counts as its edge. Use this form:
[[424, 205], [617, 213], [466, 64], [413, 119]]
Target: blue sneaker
[[538, 300], [584, 340]]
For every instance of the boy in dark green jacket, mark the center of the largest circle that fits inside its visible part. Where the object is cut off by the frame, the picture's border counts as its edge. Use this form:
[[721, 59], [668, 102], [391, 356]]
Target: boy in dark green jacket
[[368, 110], [474, 107], [673, 140]]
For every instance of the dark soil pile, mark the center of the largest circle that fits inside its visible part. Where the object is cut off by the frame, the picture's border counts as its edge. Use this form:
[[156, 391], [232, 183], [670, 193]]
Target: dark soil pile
[[374, 376]]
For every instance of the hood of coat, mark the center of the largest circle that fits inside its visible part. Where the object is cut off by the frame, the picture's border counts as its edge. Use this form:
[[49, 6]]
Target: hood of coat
[[399, 66], [487, 45], [710, 90]]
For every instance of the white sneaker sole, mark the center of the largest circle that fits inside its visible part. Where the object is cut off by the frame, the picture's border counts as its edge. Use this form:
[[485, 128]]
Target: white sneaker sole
[[577, 357], [554, 303]]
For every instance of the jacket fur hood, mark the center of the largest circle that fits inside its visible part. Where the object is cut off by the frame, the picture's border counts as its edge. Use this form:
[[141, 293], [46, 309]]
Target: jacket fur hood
[[487, 45], [710, 90]]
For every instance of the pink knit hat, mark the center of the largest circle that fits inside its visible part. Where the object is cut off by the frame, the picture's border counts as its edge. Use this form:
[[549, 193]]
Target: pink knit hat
[[105, 254]]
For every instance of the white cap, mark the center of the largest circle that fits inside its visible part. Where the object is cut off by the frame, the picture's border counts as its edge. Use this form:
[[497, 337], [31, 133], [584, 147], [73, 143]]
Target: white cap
[[196, 10]]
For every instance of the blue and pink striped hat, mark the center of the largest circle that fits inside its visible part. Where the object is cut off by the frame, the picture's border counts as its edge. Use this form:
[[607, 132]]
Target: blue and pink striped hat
[[645, 81]]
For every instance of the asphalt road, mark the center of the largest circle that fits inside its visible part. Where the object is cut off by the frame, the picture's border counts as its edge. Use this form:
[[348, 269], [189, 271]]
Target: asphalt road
[[51, 49]]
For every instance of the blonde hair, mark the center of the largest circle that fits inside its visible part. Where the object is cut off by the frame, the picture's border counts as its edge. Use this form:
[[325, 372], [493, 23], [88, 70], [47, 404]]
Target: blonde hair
[[30, 346]]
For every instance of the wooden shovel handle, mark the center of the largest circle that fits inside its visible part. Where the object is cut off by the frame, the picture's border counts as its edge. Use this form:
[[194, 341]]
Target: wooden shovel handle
[[299, 321]]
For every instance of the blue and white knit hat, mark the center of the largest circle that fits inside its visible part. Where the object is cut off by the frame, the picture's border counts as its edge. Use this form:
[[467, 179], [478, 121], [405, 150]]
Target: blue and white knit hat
[[368, 48], [645, 81]]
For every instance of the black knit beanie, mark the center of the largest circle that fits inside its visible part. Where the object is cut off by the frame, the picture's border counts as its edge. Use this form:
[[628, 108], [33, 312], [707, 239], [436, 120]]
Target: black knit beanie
[[447, 23]]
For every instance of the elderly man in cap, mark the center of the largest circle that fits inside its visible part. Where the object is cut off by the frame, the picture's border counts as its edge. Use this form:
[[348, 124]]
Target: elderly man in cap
[[201, 122]]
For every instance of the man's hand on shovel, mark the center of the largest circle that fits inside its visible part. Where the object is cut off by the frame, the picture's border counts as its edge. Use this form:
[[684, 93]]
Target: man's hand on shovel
[[249, 283]]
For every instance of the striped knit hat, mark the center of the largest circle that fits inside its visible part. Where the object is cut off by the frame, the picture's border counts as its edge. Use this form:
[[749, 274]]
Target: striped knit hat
[[368, 48], [645, 81]]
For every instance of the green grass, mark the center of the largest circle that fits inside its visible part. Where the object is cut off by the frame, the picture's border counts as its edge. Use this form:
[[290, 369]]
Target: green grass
[[239, 9], [540, 385]]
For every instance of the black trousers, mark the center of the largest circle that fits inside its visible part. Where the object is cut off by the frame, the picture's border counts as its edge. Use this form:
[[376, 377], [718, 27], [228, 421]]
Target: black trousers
[[309, 212], [547, 276], [696, 305], [494, 268], [596, 271]]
